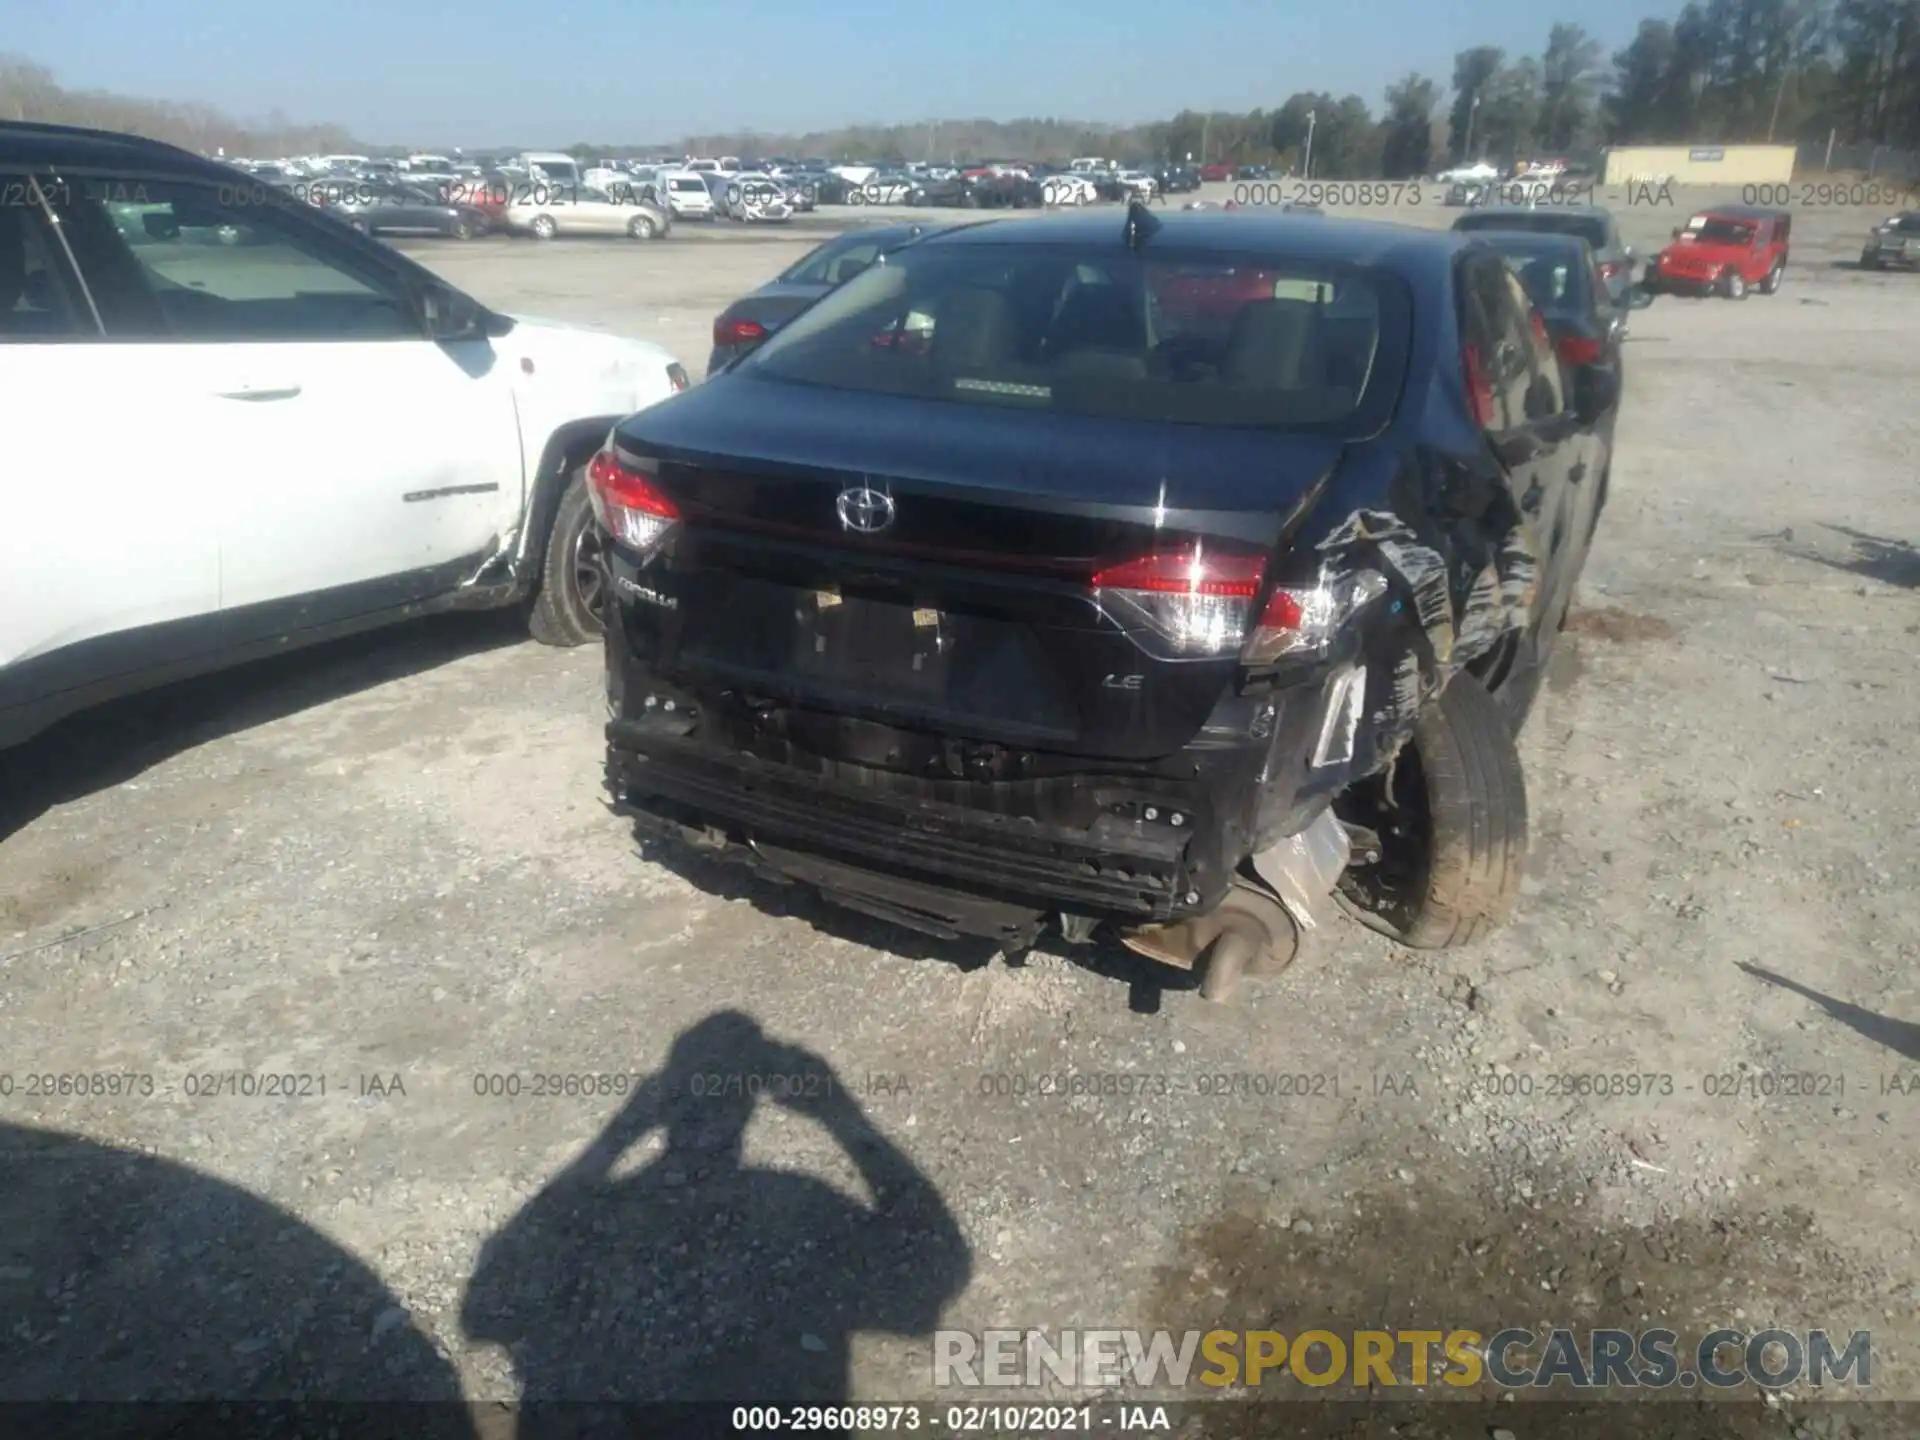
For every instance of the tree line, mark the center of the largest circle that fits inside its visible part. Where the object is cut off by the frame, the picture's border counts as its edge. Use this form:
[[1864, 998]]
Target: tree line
[[1721, 72]]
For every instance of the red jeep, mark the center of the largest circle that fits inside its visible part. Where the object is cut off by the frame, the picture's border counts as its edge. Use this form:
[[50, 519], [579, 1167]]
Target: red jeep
[[1214, 174], [1726, 251]]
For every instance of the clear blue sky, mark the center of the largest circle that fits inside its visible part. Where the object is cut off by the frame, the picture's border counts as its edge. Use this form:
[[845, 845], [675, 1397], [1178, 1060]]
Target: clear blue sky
[[552, 72]]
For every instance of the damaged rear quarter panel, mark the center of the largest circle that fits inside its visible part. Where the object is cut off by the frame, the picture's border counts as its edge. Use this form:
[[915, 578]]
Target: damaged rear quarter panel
[[1428, 507]]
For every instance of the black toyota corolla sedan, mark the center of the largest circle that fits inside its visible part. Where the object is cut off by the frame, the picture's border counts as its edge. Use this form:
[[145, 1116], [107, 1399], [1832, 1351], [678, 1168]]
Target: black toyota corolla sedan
[[1172, 574]]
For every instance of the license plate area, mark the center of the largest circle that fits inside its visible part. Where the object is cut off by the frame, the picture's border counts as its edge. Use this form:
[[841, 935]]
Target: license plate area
[[867, 643]]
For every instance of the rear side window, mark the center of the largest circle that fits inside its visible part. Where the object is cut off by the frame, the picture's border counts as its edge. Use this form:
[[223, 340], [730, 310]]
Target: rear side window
[[1195, 339], [39, 302], [224, 263], [1543, 395], [833, 263], [1503, 347]]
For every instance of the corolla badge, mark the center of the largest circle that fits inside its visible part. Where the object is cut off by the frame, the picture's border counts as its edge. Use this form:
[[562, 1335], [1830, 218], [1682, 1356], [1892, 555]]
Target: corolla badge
[[866, 510]]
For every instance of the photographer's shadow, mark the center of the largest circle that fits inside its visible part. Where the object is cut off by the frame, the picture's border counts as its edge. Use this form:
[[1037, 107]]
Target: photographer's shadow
[[698, 1277]]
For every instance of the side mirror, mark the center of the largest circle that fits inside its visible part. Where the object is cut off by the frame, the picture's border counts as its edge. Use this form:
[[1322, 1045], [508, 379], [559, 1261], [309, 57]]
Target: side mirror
[[1596, 390], [1631, 253], [448, 314]]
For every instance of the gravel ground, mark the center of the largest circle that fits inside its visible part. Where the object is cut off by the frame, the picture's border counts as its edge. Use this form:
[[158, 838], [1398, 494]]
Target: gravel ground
[[385, 866]]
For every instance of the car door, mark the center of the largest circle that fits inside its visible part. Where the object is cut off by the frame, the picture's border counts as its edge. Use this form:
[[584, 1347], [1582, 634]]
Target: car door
[[589, 212], [353, 464], [1536, 437], [109, 561]]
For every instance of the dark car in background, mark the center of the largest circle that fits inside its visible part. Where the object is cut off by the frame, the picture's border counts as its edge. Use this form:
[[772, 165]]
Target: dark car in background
[[1177, 179], [409, 210], [748, 321], [1562, 277], [1594, 224], [1894, 241], [1010, 192], [955, 191], [1071, 609]]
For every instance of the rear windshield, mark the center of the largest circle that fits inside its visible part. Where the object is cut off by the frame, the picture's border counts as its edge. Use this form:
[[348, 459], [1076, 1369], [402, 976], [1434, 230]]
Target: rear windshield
[[1590, 228], [1719, 232], [1554, 279], [1907, 224], [684, 183], [1204, 340], [836, 261]]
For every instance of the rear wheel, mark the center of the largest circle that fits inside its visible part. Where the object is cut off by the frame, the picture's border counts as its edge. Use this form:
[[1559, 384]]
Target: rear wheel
[[462, 230], [641, 227], [543, 227], [569, 607], [1451, 814], [1771, 285]]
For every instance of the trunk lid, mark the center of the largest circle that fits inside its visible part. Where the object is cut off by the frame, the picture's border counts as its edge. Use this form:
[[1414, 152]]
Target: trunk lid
[[920, 563]]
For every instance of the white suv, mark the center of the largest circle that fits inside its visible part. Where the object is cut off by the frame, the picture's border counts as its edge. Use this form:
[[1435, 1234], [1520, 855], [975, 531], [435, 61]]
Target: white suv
[[295, 432]]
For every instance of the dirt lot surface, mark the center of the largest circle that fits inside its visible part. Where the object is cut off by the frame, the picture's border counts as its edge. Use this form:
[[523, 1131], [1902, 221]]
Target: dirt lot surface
[[1683, 1089]]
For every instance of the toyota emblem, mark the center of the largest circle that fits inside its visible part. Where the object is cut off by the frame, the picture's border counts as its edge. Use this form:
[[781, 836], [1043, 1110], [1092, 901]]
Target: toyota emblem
[[866, 510]]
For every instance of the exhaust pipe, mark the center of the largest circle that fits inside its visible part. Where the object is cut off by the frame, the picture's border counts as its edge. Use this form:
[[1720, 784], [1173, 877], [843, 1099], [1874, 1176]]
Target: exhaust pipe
[[1266, 919], [1248, 933]]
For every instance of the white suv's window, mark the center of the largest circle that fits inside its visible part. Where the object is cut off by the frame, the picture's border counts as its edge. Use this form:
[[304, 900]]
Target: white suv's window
[[226, 263], [36, 299]]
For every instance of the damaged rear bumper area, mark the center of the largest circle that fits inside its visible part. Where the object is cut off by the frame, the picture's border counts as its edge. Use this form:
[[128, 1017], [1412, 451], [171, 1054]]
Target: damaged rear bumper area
[[947, 870], [995, 859]]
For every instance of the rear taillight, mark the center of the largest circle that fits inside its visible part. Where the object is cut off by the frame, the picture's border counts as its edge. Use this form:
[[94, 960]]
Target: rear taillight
[[735, 331], [1610, 268], [1580, 350], [630, 506], [1302, 621], [1479, 387], [1196, 601]]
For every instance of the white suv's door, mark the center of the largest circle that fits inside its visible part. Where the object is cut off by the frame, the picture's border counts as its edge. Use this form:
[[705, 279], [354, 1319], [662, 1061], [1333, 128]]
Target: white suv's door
[[356, 465], [109, 556]]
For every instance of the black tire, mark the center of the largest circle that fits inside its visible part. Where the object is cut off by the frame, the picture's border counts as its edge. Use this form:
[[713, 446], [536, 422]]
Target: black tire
[[1771, 285], [1460, 785], [1733, 285], [566, 609], [462, 230], [1869, 261], [642, 227]]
